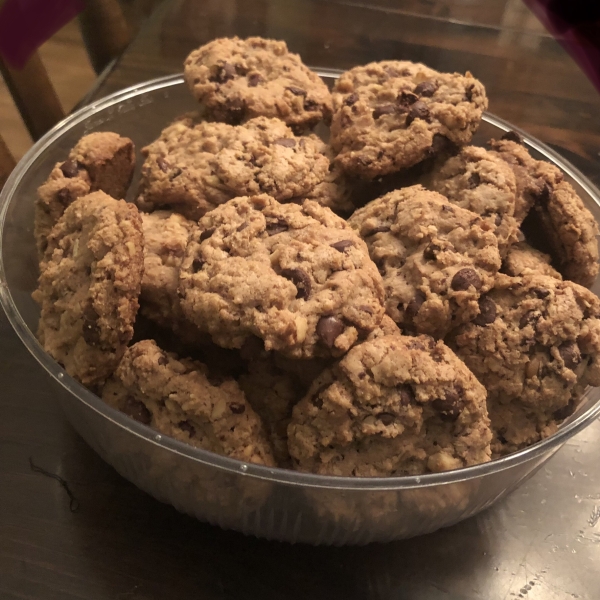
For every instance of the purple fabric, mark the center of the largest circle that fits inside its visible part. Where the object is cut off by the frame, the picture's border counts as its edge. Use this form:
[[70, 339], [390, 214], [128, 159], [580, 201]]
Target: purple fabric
[[576, 25], [26, 24]]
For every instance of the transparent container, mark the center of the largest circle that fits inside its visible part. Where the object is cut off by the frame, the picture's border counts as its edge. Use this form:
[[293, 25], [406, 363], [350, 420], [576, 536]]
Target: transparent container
[[267, 502]]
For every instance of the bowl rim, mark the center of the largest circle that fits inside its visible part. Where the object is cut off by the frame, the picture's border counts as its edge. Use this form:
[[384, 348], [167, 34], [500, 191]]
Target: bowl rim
[[223, 463]]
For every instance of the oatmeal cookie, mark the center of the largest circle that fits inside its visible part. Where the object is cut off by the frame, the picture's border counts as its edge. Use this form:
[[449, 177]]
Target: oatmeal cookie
[[535, 349], [436, 258], [102, 161], [523, 259], [295, 276], [89, 286], [395, 405], [239, 79], [391, 115], [174, 396], [481, 182], [195, 166]]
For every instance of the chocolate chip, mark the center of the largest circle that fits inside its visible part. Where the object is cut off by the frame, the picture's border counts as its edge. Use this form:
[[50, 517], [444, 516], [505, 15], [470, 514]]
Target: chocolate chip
[[137, 410], [163, 360], [65, 197], [70, 168], [541, 293], [474, 180], [512, 136], [224, 73], [242, 226], [296, 90], [91, 329], [498, 220], [448, 407], [487, 312], [531, 317], [237, 408], [406, 99], [206, 234], [163, 165], [570, 353], [300, 279], [384, 109], [380, 229], [197, 265], [565, 411], [415, 305], [254, 79], [430, 253], [426, 88], [328, 329], [310, 105], [407, 396], [285, 142], [465, 278], [176, 173], [469, 93], [386, 418], [351, 99], [440, 143], [274, 227], [342, 245], [187, 427], [418, 110]]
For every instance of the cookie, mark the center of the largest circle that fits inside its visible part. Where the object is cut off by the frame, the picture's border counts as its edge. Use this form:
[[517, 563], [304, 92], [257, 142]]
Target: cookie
[[295, 276], [395, 405], [89, 284], [174, 396], [481, 182], [99, 161], [535, 347], [523, 259], [239, 79], [195, 166], [437, 259], [391, 115]]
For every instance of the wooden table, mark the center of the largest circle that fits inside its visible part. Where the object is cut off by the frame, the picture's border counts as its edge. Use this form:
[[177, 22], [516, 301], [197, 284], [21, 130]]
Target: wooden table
[[542, 543]]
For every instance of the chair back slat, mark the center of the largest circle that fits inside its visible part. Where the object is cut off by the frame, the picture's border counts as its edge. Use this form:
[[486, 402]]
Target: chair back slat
[[7, 163]]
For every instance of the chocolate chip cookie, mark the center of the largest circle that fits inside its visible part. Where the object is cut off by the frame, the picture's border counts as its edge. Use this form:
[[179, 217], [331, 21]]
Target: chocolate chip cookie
[[239, 79], [395, 405], [481, 182], [174, 396], [557, 221], [99, 161], [89, 286], [195, 166], [437, 259], [535, 351], [391, 115], [295, 276], [523, 259]]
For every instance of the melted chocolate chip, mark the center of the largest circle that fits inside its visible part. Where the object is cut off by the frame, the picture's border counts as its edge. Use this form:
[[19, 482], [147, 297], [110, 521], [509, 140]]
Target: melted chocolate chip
[[206, 234], [415, 304], [224, 73], [351, 99], [296, 90], [70, 168], [406, 99], [274, 227], [237, 408], [474, 180], [384, 109], [487, 312], [310, 105], [137, 410], [300, 279], [531, 317], [286, 142], [342, 245], [426, 88], [407, 396], [541, 293], [431, 252], [197, 265], [163, 360], [328, 329], [65, 197], [570, 353], [465, 278], [418, 110], [448, 407], [254, 79]]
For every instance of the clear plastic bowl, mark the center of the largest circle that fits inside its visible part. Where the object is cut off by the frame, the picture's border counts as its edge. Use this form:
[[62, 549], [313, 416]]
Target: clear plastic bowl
[[266, 502]]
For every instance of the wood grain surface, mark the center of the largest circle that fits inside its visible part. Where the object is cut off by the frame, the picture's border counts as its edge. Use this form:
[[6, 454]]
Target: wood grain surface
[[122, 545]]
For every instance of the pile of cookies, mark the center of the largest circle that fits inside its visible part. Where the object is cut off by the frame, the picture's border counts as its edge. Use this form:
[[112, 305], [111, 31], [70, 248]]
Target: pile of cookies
[[389, 301]]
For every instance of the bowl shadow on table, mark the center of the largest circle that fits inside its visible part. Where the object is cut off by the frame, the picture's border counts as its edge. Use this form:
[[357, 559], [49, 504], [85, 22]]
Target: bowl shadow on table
[[133, 544]]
